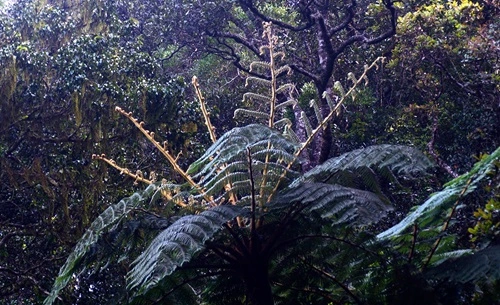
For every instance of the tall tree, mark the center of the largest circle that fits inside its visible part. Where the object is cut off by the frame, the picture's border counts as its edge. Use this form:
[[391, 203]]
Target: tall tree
[[313, 34]]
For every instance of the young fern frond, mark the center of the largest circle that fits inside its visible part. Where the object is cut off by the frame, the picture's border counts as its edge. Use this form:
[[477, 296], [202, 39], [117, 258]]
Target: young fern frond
[[329, 100], [333, 111], [123, 170], [262, 81], [307, 124], [259, 65], [270, 99], [285, 122], [204, 111], [316, 109], [103, 223], [249, 96], [287, 103], [250, 113]]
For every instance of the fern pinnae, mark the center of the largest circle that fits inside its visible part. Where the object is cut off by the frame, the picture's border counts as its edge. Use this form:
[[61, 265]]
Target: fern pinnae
[[214, 186], [187, 235], [307, 124], [284, 122], [329, 100], [313, 104], [280, 55], [260, 65], [285, 88], [290, 134], [250, 113], [283, 69], [339, 88], [290, 102], [110, 217], [258, 80], [248, 96], [234, 166]]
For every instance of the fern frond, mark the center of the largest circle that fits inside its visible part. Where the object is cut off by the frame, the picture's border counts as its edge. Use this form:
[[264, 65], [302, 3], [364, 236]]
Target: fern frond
[[260, 64], [105, 222], [340, 89], [177, 245], [285, 88], [340, 204], [401, 160], [290, 134], [282, 123], [426, 214], [482, 266], [250, 113], [331, 103], [317, 111], [233, 146], [290, 102], [258, 80], [282, 69], [307, 124], [254, 96], [225, 162], [279, 54]]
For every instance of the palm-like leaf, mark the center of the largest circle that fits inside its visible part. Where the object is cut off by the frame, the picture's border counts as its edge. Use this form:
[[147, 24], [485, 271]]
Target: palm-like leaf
[[483, 265], [389, 160], [226, 162], [339, 204], [104, 223], [427, 214], [177, 244]]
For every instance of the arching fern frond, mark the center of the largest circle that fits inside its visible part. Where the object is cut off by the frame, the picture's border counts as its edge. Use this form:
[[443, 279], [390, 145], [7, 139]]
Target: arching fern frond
[[342, 205], [226, 161], [104, 223], [427, 214], [483, 265], [178, 244], [391, 159], [240, 112]]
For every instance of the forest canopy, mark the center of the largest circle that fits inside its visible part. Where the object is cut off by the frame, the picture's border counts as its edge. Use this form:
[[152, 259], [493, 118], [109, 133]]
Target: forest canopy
[[326, 152]]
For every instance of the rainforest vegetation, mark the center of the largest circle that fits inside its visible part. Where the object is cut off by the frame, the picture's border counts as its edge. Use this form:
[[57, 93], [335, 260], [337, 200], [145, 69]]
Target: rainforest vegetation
[[249, 152]]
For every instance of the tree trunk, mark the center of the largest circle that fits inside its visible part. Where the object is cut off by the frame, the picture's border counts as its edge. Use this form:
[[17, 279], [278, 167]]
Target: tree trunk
[[257, 286]]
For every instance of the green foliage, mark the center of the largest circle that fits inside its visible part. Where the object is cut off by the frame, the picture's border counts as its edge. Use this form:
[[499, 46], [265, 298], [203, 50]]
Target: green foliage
[[177, 244], [487, 221], [65, 67], [111, 216], [445, 90], [427, 214], [252, 160], [308, 238]]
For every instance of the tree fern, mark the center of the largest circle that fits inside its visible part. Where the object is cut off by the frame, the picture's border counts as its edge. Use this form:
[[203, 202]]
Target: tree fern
[[428, 213], [253, 174], [226, 162]]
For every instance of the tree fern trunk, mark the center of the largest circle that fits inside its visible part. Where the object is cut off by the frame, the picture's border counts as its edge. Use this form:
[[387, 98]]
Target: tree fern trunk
[[257, 286]]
